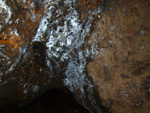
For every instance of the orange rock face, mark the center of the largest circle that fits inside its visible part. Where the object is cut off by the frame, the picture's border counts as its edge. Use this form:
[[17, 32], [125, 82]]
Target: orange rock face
[[98, 49]]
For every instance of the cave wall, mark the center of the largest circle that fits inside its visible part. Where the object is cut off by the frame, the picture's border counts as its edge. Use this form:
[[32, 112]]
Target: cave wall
[[121, 68], [98, 49]]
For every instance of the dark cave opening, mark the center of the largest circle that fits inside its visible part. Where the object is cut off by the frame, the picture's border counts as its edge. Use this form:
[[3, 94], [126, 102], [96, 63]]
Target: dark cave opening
[[54, 101]]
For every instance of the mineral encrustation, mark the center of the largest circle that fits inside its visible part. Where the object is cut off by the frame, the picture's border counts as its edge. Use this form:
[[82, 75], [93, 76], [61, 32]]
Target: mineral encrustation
[[98, 49]]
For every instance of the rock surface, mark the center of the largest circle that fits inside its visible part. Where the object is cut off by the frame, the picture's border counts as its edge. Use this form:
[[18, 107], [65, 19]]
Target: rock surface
[[99, 50]]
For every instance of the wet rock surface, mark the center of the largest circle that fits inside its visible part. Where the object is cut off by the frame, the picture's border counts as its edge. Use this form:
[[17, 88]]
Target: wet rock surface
[[99, 50]]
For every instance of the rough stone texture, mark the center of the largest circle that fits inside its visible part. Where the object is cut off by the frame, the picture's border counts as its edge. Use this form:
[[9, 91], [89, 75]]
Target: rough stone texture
[[121, 67], [98, 49]]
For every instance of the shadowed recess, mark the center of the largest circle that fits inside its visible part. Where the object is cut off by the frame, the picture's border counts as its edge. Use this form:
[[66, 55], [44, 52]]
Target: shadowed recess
[[54, 101]]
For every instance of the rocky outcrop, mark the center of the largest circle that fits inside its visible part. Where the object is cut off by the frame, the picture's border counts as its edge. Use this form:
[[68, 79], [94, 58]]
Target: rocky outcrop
[[99, 50], [121, 67]]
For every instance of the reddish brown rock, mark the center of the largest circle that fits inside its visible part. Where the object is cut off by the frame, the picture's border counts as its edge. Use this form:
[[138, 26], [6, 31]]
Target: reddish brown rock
[[121, 68], [99, 50]]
